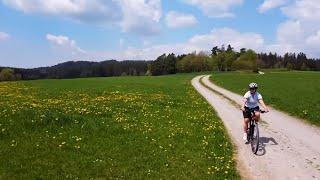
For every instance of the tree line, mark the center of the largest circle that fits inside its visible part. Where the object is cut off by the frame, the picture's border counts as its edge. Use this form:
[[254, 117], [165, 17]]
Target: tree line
[[218, 59], [227, 59], [290, 61]]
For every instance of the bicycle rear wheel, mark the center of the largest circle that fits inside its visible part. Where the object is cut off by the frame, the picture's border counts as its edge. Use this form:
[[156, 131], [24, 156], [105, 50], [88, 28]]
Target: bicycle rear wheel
[[255, 139]]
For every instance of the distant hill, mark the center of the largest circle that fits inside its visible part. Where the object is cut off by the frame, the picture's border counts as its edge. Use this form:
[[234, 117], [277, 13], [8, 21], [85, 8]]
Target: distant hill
[[78, 69]]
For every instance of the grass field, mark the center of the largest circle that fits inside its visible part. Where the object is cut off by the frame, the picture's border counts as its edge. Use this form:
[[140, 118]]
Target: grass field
[[115, 128], [297, 93]]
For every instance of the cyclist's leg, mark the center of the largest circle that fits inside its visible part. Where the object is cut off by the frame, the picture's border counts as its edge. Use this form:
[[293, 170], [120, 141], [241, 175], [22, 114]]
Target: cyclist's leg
[[245, 120], [245, 124], [257, 114]]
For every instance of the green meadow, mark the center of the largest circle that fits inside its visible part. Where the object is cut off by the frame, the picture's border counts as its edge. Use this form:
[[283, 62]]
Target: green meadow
[[297, 93], [112, 128]]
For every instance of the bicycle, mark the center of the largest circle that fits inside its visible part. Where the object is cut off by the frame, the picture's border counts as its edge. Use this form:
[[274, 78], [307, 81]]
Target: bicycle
[[253, 132]]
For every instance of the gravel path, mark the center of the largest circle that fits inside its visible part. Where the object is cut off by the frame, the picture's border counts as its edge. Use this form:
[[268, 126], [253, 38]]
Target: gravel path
[[290, 148]]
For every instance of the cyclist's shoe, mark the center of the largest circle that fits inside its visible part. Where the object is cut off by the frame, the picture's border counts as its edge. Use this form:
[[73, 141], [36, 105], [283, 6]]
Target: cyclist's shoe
[[245, 137]]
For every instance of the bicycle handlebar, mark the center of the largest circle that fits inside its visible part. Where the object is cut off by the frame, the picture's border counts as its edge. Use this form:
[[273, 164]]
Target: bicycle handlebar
[[261, 111]]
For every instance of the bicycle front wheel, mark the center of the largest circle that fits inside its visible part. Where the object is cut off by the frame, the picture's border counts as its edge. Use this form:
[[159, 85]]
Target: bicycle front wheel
[[255, 139]]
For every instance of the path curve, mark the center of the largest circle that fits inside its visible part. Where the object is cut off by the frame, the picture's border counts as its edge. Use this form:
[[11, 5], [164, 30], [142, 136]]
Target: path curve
[[290, 147]]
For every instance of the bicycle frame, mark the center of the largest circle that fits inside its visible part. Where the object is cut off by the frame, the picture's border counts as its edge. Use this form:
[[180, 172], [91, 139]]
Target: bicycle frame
[[253, 127]]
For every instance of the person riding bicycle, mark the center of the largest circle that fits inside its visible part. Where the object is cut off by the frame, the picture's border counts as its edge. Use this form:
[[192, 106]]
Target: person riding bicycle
[[250, 102]]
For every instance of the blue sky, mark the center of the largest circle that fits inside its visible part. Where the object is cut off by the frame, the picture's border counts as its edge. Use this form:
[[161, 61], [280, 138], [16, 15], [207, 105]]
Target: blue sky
[[37, 33]]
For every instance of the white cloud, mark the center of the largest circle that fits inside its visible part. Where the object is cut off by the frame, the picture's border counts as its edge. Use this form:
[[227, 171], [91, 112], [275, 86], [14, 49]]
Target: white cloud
[[197, 43], [65, 48], [180, 20], [65, 45], [4, 36], [304, 10], [141, 16], [281, 49], [136, 16], [290, 38], [300, 32], [88, 11], [270, 4], [228, 36], [290, 32], [293, 36], [215, 8], [314, 40]]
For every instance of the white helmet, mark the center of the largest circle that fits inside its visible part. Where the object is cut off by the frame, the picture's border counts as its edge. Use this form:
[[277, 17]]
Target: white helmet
[[253, 85]]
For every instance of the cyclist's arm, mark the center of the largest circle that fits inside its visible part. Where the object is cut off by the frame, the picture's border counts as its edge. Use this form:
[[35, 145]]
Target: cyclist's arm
[[263, 104]]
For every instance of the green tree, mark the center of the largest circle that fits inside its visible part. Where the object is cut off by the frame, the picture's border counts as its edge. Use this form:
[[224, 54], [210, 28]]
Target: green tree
[[230, 57], [185, 65], [157, 65], [224, 58], [194, 63], [171, 62], [229, 49], [242, 51], [246, 61], [164, 64], [7, 74], [304, 67], [289, 66], [214, 51], [220, 61], [18, 77]]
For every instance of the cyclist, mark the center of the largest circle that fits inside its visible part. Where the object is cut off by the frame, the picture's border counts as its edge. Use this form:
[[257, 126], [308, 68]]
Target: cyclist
[[250, 101]]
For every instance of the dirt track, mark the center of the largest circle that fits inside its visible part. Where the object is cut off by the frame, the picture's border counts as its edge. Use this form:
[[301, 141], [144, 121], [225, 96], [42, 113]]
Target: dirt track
[[290, 149]]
